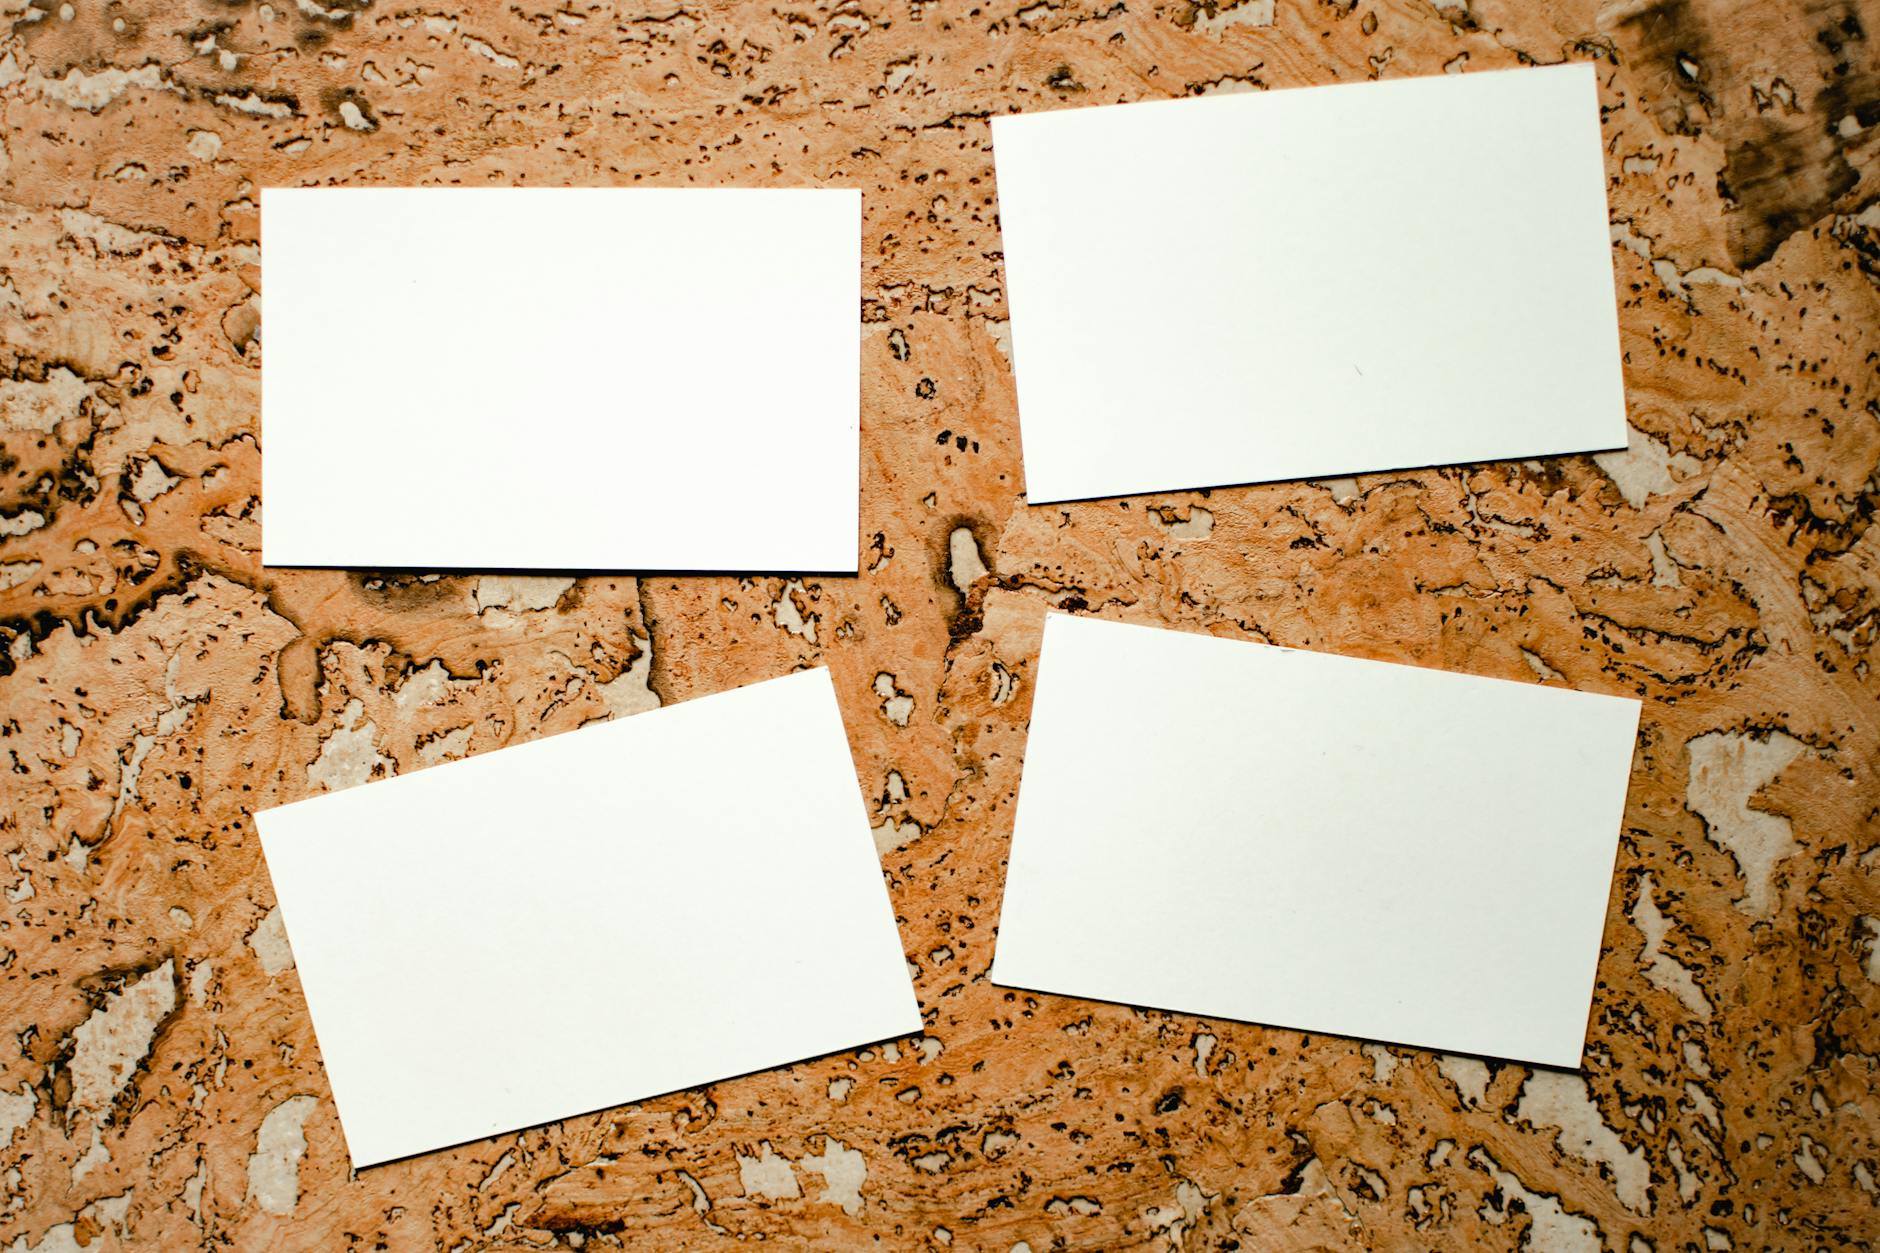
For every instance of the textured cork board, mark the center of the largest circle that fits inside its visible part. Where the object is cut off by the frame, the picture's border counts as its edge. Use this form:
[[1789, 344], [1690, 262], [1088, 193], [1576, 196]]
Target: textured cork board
[[160, 1085]]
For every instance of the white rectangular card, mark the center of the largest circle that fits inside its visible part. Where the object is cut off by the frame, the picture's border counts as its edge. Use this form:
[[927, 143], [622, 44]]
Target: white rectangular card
[[1318, 281], [625, 910], [561, 378], [1313, 841]]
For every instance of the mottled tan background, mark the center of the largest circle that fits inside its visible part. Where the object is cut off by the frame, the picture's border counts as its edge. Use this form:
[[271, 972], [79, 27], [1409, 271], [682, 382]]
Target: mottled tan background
[[160, 1085]]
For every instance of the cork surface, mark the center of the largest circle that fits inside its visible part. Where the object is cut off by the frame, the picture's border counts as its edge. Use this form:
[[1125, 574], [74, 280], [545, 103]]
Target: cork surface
[[160, 1084]]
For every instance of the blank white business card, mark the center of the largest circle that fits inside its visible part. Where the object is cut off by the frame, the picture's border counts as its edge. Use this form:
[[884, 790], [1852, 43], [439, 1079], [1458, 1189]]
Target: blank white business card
[[561, 378], [1312, 841], [1319, 281], [625, 910]]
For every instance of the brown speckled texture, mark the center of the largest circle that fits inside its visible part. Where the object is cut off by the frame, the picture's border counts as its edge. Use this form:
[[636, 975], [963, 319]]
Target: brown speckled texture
[[160, 1085]]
